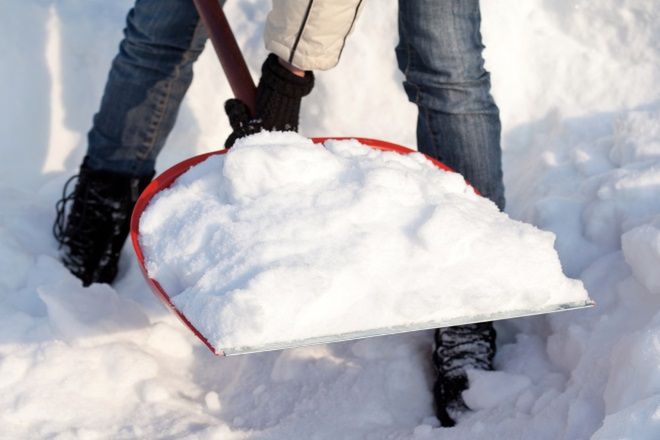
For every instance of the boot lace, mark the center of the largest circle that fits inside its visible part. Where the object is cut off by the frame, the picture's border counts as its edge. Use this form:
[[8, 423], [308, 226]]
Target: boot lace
[[81, 213], [61, 209], [462, 347]]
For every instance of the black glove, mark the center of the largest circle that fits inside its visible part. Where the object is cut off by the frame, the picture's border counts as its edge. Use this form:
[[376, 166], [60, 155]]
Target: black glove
[[278, 102]]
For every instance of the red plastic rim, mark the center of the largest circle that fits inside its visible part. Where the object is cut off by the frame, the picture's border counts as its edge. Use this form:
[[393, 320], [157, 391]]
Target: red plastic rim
[[168, 177]]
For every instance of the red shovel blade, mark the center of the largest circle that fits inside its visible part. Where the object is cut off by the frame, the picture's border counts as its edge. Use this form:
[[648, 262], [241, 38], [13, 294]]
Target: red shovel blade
[[167, 178]]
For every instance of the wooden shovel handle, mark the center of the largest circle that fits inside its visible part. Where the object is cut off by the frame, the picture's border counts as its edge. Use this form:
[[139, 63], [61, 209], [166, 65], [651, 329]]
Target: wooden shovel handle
[[228, 52]]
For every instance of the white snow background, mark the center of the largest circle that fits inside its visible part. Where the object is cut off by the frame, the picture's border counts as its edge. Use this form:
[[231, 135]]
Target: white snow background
[[578, 85]]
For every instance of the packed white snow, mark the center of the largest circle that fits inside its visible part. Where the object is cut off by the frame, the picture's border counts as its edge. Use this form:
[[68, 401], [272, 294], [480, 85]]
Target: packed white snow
[[578, 86], [282, 239]]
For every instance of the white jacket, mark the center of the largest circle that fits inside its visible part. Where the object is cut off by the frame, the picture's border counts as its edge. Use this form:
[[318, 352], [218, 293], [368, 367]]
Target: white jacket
[[310, 34]]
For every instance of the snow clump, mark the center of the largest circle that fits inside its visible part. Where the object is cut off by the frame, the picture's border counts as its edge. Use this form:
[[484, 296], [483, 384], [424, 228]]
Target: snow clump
[[284, 240]]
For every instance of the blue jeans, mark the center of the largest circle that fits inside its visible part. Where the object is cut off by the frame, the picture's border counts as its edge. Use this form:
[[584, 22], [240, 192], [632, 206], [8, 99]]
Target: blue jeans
[[145, 87], [439, 52]]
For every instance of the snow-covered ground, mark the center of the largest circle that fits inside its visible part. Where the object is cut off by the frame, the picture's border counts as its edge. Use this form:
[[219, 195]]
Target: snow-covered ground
[[578, 84]]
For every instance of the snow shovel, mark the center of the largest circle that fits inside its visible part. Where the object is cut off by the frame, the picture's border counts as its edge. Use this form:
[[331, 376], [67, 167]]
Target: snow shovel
[[244, 89]]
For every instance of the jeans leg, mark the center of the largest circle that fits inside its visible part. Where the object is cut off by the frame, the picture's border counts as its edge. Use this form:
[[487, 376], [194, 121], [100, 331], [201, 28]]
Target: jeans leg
[[439, 52], [147, 81]]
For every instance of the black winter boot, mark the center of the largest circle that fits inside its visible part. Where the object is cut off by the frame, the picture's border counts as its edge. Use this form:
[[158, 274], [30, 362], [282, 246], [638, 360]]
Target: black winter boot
[[279, 95], [93, 232], [457, 349]]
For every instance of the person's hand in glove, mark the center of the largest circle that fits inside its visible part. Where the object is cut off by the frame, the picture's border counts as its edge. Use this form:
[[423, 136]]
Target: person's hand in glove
[[279, 94]]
